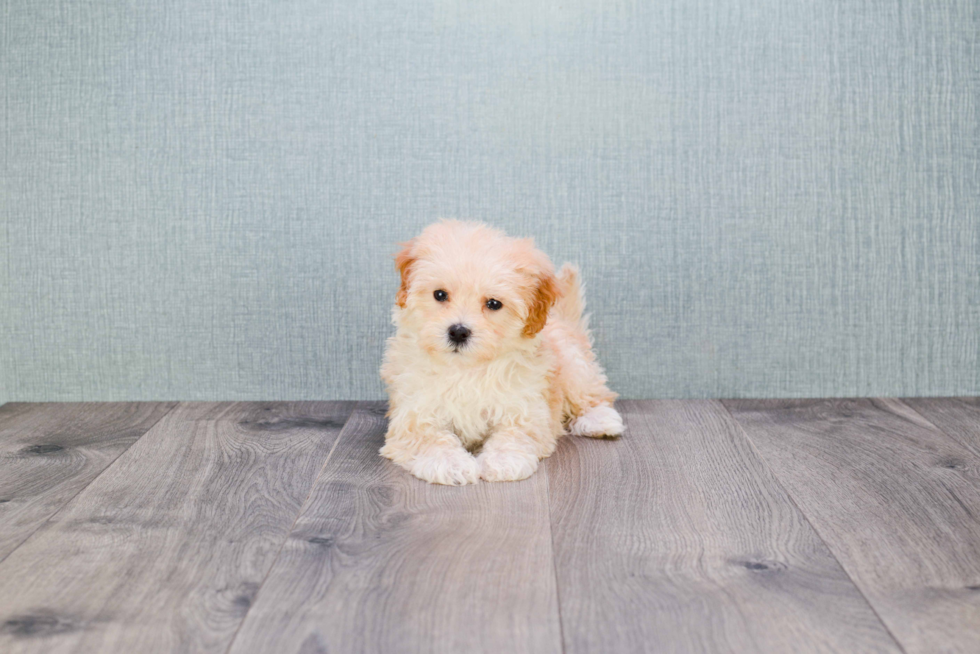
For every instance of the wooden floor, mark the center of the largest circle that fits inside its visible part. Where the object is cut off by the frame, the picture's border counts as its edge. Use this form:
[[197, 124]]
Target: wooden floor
[[748, 526]]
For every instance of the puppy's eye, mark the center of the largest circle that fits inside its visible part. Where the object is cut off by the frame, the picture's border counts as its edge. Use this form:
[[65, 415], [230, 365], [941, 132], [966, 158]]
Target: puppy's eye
[[494, 305], [441, 295]]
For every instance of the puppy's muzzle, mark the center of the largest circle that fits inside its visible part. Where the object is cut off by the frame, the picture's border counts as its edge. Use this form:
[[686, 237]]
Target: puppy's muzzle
[[458, 334]]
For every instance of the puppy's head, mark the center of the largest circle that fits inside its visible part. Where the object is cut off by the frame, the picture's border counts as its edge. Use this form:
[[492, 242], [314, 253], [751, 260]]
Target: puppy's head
[[472, 293]]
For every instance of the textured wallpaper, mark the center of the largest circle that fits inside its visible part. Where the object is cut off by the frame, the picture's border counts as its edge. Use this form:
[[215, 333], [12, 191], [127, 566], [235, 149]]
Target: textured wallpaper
[[199, 199]]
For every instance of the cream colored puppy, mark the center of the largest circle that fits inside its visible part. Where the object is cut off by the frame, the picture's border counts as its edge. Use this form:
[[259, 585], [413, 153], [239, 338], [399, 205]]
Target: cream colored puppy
[[491, 355]]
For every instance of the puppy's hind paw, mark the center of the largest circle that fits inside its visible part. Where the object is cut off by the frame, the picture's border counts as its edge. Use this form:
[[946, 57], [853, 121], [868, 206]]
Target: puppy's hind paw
[[507, 465], [598, 422], [447, 467]]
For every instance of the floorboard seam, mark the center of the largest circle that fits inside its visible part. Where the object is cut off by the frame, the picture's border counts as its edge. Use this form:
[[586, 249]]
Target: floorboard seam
[[302, 508], [80, 490], [932, 424], [554, 558], [792, 500]]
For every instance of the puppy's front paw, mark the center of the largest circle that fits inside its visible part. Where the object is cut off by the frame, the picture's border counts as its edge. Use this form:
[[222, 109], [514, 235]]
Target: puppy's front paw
[[507, 465], [449, 467]]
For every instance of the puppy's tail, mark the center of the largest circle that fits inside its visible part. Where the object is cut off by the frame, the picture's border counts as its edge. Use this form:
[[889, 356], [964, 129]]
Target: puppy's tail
[[571, 305]]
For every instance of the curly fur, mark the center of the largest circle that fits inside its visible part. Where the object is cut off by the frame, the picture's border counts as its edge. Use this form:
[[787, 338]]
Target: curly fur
[[493, 407]]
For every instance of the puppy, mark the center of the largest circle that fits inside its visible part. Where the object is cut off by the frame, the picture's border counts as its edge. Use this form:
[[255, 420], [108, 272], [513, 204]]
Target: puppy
[[492, 356]]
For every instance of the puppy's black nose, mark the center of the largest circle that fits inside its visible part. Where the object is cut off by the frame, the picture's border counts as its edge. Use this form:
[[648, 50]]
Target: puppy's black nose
[[459, 333]]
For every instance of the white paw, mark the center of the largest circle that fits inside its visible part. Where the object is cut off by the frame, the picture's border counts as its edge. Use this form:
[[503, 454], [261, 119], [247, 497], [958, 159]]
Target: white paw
[[598, 421], [449, 467], [507, 465]]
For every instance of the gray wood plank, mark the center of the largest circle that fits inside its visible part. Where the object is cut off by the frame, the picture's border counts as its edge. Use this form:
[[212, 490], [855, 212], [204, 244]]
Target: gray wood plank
[[678, 538], [957, 417], [895, 499], [167, 548], [382, 562], [49, 452]]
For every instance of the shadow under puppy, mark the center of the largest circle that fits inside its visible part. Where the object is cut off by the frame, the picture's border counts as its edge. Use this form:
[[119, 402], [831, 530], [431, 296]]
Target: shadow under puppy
[[492, 356]]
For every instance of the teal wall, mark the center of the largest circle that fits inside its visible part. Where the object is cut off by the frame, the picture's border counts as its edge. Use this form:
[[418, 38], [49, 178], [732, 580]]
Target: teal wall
[[769, 198]]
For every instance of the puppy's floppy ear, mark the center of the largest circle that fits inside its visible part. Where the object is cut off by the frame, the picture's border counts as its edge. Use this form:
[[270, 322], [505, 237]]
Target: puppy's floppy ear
[[403, 262], [545, 295]]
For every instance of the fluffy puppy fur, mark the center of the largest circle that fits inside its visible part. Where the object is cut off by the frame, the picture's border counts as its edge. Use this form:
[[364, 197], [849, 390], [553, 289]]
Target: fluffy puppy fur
[[491, 361]]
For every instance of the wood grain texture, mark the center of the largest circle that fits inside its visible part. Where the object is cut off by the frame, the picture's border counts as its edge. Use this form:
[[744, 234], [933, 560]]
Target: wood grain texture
[[895, 499], [678, 538], [382, 562], [49, 452], [166, 550], [957, 417]]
